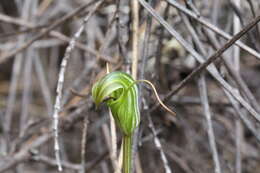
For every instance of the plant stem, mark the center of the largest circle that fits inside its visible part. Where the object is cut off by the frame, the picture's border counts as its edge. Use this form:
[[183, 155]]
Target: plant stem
[[127, 153]]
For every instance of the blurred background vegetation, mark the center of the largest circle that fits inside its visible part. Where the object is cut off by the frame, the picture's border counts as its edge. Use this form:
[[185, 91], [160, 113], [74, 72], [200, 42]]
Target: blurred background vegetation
[[212, 132]]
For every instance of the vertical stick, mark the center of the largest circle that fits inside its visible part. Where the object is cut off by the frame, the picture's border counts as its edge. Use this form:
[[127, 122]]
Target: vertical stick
[[83, 145], [158, 145], [204, 98], [236, 61], [17, 66], [113, 150], [205, 103], [120, 160], [135, 23], [135, 52], [57, 106]]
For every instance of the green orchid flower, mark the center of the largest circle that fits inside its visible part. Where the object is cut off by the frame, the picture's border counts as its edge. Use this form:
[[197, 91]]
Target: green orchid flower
[[119, 91]]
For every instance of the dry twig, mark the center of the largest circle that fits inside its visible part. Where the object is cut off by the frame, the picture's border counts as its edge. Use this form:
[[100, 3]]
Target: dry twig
[[205, 64], [57, 105], [42, 34]]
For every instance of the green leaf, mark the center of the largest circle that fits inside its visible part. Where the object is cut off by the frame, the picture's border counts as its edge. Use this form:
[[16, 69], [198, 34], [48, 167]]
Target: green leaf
[[120, 93]]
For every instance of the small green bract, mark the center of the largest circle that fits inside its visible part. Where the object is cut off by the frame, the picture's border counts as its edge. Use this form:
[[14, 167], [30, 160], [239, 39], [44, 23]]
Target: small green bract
[[119, 91]]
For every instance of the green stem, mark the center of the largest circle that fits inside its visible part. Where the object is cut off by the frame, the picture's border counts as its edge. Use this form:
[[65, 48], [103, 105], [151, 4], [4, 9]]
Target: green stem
[[127, 153]]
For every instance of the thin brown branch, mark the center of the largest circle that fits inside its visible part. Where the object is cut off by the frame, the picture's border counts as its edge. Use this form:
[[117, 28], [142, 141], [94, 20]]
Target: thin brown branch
[[212, 27], [237, 77], [58, 101], [83, 145], [213, 57], [135, 47], [24, 154], [30, 27], [46, 31], [204, 64]]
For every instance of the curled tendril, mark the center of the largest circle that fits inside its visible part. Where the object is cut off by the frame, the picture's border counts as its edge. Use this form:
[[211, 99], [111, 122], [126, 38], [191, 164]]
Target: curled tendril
[[119, 91]]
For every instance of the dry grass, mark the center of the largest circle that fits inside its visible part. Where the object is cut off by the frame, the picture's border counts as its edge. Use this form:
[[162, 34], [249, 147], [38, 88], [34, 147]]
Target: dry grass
[[218, 112]]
